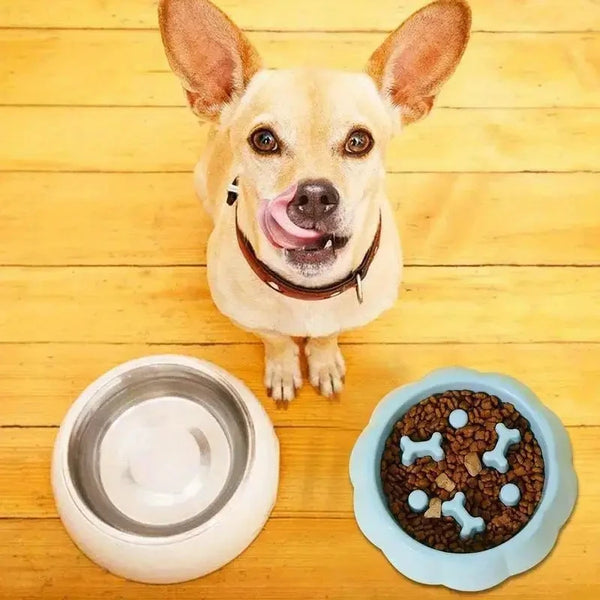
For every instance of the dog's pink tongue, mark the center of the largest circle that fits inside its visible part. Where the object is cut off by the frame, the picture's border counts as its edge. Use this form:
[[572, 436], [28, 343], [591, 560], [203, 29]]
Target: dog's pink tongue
[[277, 226]]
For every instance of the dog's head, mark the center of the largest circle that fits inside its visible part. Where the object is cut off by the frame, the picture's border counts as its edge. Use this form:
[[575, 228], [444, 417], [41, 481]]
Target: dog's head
[[309, 144]]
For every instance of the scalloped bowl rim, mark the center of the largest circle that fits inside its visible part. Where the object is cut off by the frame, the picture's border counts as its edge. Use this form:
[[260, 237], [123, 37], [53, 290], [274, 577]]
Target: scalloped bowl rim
[[479, 570]]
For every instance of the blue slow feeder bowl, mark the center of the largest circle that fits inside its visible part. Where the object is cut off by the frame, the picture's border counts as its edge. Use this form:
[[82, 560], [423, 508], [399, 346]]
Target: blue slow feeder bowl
[[477, 570]]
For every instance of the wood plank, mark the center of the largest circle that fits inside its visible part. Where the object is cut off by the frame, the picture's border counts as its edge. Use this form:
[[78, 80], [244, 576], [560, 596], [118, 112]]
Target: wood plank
[[169, 139], [314, 479], [87, 219], [291, 554], [38, 382], [509, 15], [129, 68], [292, 558], [173, 304]]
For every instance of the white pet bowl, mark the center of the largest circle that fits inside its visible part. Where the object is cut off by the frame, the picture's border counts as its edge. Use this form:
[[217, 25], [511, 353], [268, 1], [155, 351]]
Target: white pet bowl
[[165, 469]]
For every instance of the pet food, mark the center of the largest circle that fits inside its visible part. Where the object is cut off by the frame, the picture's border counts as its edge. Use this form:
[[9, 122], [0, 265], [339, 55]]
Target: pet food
[[462, 471]]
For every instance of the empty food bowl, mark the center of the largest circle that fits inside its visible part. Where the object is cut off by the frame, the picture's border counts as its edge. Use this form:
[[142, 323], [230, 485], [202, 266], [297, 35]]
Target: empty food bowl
[[165, 469], [463, 479]]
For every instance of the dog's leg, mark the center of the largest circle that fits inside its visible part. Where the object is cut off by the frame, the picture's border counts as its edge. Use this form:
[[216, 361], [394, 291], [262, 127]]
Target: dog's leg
[[282, 366], [326, 366]]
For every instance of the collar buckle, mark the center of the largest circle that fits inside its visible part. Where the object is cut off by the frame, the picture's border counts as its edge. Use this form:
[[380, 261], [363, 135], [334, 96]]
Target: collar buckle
[[359, 288], [233, 191]]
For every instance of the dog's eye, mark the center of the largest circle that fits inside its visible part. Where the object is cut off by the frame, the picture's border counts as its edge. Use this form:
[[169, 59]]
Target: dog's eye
[[264, 141], [358, 143]]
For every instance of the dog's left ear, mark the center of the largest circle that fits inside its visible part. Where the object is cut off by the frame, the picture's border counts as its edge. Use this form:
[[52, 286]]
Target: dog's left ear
[[211, 56], [413, 63]]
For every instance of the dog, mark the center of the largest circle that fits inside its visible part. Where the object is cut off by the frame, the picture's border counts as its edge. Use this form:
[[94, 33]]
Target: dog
[[304, 243]]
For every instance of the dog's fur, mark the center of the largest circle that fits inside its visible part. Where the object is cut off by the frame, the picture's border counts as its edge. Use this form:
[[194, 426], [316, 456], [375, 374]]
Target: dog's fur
[[312, 111]]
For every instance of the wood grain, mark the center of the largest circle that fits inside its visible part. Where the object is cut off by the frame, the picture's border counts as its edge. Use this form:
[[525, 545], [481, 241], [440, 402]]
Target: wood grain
[[173, 304], [314, 479], [38, 382], [155, 219], [169, 139], [129, 67], [508, 15]]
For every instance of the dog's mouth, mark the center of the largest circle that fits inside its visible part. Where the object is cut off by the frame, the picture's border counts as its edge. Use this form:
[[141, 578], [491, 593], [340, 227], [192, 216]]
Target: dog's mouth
[[322, 253], [301, 246]]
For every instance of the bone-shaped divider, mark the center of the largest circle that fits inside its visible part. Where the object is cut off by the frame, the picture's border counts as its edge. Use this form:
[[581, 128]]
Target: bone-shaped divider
[[496, 458], [455, 508], [413, 450]]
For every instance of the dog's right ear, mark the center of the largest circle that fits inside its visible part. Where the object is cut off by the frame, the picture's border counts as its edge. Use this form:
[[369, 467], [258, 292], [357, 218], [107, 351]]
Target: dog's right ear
[[208, 52]]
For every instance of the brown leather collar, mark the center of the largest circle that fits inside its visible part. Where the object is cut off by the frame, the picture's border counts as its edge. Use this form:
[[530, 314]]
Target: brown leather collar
[[287, 288]]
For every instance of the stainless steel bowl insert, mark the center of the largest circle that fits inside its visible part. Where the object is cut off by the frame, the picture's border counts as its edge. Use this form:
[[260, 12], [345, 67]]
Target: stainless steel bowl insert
[[148, 407]]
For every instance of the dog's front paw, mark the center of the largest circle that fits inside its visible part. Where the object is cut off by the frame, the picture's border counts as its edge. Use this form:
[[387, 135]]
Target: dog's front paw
[[282, 371], [326, 366]]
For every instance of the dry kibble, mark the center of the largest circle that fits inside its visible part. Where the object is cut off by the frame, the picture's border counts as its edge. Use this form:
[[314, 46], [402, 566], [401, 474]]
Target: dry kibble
[[435, 509], [445, 482], [462, 470], [473, 464]]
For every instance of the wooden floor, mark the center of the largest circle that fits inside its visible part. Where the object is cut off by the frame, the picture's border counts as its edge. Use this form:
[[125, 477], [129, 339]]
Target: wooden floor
[[102, 258]]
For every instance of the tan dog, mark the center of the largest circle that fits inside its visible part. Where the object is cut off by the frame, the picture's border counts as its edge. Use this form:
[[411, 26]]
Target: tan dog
[[307, 245]]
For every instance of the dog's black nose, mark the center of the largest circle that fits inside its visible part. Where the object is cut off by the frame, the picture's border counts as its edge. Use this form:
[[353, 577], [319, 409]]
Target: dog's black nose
[[315, 202]]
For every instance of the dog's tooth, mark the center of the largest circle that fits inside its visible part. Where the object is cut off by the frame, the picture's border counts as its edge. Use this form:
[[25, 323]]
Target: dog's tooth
[[329, 244]]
